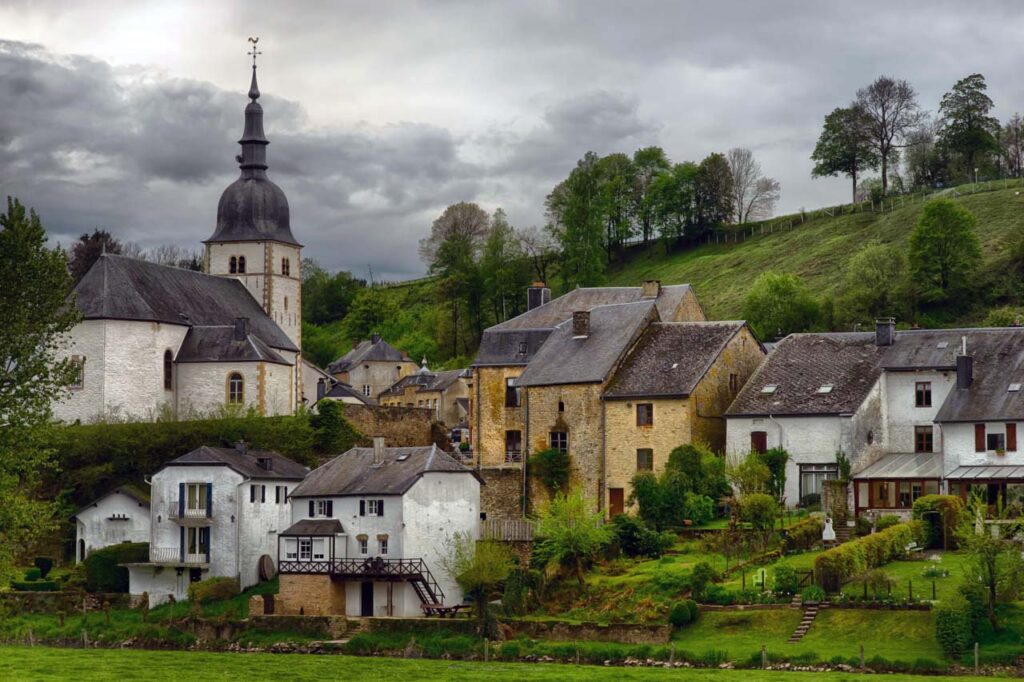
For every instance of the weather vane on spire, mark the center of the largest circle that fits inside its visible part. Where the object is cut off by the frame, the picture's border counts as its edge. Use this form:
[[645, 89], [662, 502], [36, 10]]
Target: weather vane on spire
[[254, 52]]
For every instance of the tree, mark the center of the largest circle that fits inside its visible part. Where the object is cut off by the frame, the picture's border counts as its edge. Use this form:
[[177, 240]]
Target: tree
[[714, 193], [576, 220], [750, 475], [617, 177], [872, 284], [965, 126], [693, 478], [754, 195], [944, 250], [87, 251], [891, 106], [570, 534], [371, 309], [540, 248], [35, 316], [775, 459], [779, 304], [844, 146], [1013, 145], [673, 198], [325, 297], [479, 568], [994, 553], [649, 163], [926, 163], [501, 265]]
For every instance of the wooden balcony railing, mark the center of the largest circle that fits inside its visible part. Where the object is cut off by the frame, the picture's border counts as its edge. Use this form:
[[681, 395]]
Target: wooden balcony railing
[[373, 568]]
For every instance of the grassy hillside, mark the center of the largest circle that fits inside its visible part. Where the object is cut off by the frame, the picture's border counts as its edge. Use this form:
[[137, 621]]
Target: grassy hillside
[[817, 251]]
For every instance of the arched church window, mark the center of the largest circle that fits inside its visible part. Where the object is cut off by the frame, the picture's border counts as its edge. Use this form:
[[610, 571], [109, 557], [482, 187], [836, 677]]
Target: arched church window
[[168, 370], [233, 265], [236, 389], [286, 267], [241, 265]]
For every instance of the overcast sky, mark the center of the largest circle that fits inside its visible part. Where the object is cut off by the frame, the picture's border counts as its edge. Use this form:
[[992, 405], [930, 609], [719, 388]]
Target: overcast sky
[[125, 116]]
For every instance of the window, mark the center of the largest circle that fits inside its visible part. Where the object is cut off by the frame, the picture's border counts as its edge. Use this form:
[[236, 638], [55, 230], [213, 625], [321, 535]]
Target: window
[[318, 548], [168, 370], [734, 383], [77, 372], [363, 544], [513, 446], [382, 541], [241, 265], [233, 265], [257, 493], [645, 459], [286, 267], [644, 414], [813, 476], [523, 347], [996, 441], [559, 440], [291, 549], [197, 540], [371, 507], [758, 441], [286, 304], [321, 508], [561, 406], [513, 395], [923, 394], [923, 439], [770, 388], [280, 494], [236, 389], [305, 548], [366, 390], [195, 497]]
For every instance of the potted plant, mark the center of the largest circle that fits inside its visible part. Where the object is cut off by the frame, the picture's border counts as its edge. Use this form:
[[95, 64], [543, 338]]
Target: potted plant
[[1000, 452]]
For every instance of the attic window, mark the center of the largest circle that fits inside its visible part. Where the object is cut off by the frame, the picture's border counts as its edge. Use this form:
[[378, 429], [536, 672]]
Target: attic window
[[675, 365], [825, 388], [404, 456], [1014, 388], [943, 344], [523, 347], [770, 388]]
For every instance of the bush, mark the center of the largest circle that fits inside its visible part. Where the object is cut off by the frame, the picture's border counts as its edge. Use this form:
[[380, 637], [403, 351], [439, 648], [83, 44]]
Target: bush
[[103, 572], [702, 575], [717, 594], [812, 593], [32, 574], [679, 616], [786, 581], [635, 539], [213, 589], [940, 526], [804, 535], [44, 564], [811, 500], [759, 510], [863, 527], [839, 564], [34, 585], [694, 609], [886, 521], [551, 468], [953, 628]]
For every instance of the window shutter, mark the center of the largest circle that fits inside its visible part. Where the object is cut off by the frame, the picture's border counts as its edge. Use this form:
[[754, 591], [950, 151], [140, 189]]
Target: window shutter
[[181, 500], [380, 507], [181, 541], [263, 493], [312, 509], [1011, 438], [277, 494], [206, 536], [209, 500], [330, 508], [979, 438], [758, 441], [362, 507]]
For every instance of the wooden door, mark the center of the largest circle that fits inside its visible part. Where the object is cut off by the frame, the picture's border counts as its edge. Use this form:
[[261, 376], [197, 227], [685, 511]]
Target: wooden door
[[615, 501], [366, 600]]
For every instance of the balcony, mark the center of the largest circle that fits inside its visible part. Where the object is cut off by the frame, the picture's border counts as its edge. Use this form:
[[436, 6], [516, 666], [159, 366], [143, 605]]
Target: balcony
[[171, 556], [196, 516], [513, 456], [413, 571]]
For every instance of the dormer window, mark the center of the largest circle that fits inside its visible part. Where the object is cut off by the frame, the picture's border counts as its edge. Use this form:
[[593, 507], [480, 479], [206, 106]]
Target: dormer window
[[1014, 388], [825, 388], [523, 347], [770, 388]]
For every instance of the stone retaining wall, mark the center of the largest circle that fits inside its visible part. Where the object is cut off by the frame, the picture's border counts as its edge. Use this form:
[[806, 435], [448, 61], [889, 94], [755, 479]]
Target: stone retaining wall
[[69, 602], [561, 631]]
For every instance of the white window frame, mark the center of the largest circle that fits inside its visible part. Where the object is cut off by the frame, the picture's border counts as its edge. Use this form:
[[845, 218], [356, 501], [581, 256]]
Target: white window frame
[[319, 548], [195, 496], [383, 546], [372, 508], [291, 548], [305, 549], [320, 509], [366, 390], [364, 546]]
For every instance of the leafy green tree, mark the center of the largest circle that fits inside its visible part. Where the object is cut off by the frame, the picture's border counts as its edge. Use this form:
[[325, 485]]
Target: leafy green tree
[[617, 181], [750, 475], [673, 197], [873, 283], [570, 533], [944, 250], [779, 304], [759, 510], [993, 551], [576, 220], [326, 297], [502, 266], [87, 250], [551, 468], [926, 163], [775, 459], [479, 568], [714, 193], [844, 146], [371, 310], [649, 163], [35, 316], [966, 127], [322, 345], [693, 478]]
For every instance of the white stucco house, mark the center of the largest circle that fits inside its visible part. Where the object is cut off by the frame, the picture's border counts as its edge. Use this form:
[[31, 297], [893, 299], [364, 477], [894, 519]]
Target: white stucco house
[[122, 515], [917, 412], [215, 512], [157, 339], [370, 530]]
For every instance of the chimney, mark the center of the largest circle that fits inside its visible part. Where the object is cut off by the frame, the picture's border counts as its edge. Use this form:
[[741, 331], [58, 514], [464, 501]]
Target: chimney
[[581, 323], [375, 338], [964, 367], [378, 450], [241, 447], [650, 288], [537, 295], [321, 389], [885, 331], [241, 328]]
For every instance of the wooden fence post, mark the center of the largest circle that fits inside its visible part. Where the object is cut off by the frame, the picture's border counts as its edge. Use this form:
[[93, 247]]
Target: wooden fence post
[[975, 658], [764, 656], [862, 657]]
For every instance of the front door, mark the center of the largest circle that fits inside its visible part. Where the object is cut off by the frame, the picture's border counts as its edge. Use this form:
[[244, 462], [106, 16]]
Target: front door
[[366, 600], [615, 503]]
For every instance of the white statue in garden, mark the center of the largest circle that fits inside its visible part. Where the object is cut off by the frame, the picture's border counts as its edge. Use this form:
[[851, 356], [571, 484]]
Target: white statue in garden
[[828, 535]]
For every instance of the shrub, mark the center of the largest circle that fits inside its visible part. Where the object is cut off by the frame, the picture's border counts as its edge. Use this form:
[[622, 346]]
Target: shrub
[[34, 586], [811, 500], [213, 589], [103, 572], [876, 580], [551, 468], [698, 508], [717, 594], [694, 609], [44, 564], [940, 526], [863, 527], [702, 575], [786, 581], [759, 510], [679, 616], [812, 593], [804, 535], [953, 628], [635, 539], [32, 574], [839, 564], [886, 521]]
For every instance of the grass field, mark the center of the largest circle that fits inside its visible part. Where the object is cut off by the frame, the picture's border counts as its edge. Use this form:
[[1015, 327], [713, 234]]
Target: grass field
[[19, 663]]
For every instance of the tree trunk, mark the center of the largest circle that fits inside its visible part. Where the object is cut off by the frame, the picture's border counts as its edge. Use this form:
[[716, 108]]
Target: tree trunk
[[885, 174], [579, 571], [854, 176]]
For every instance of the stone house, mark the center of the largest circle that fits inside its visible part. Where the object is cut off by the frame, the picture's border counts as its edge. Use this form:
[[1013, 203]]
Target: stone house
[[372, 366], [370, 531], [122, 515], [444, 393], [215, 512]]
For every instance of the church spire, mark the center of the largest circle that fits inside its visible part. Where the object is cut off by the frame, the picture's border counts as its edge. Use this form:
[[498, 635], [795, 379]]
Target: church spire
[[253, 159]]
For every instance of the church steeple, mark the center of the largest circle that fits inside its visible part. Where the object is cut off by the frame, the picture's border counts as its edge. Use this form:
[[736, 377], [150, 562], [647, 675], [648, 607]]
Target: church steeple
[[253, 160]]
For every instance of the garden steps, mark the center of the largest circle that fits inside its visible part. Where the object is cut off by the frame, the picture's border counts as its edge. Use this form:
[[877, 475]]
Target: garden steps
[[843, 534], [355, 626], [810, 613]]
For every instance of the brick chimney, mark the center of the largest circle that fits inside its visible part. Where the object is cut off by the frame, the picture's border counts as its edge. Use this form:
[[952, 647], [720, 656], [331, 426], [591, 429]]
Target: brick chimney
[[321, 389], [375, 338], [378, 451], [581, 323], [241, 328], [885, 331], [650, 288], [537, 295], [241, 447]]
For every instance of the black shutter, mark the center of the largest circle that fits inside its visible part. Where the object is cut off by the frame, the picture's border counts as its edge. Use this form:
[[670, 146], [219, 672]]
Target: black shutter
[[181, 500], [263, 493], [252, 493], [380, 507], [362, 507], [277, 494], [209, 500], [330, 508], [312, 508], [206, 536], [181, 535]]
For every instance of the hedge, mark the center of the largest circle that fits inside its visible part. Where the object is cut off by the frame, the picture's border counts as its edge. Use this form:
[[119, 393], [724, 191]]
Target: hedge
[[103, 572], [34, 585], [805, 534], [838, 565], [953, 626], [213, 589]]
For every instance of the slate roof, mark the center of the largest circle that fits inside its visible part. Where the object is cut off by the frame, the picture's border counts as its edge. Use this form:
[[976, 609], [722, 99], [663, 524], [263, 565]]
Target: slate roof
[[425, 381], [801, 364], [121, 288], [566, 359], [353, 472], [314, 527], [244, 463], [998, 361], [342, 390], [218, 344], [671, 358], [131, 491], [507, 347], [367, 350]]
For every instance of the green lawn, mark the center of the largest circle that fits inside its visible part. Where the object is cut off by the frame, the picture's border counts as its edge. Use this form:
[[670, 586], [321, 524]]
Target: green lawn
[[907, 576], [19, 663]]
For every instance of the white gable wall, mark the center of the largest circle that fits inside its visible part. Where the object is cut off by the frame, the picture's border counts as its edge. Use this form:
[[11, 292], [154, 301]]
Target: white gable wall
[[258, 526], [901, 412], [95, 527], [959, 446]]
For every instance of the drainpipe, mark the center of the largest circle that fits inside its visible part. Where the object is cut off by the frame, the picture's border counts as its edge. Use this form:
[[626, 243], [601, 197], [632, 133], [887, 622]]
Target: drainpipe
[[526, 443], [602, 483], [775, 421]]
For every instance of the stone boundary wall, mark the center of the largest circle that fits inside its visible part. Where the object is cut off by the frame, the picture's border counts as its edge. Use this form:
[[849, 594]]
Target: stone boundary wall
[[70, 602], [465, 626], [399, 426], [561, 631]]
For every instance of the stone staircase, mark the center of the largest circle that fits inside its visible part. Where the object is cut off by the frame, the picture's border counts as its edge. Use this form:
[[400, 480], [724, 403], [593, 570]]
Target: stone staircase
[[354, 626], [810, 613], [843, 534]]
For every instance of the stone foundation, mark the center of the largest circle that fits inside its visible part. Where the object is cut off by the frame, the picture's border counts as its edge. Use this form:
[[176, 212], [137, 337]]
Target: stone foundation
[[310, 595]]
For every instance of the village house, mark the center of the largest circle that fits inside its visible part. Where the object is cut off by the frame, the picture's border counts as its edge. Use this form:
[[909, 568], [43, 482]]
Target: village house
[[444, 393], [122, 515], [370, 531], [215, 512], [372, 366], [156, 338], [917, 412]]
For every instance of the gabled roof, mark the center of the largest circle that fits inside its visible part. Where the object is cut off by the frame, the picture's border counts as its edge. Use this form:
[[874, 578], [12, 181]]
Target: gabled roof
[[671, 358], [367, 350], [129, 490], [309, 527], [425, 381], [567, 359], [245, 463], [354, 473], [342, 390], [219, 344], [120, 288], [801, 364], [998, 360]]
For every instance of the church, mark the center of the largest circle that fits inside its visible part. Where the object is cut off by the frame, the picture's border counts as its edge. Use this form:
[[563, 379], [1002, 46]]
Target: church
[[157, 340]]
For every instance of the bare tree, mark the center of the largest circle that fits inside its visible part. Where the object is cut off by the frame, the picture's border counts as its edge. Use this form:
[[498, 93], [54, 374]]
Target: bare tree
[[464, 224], [1013, 144], [754, 195], [541, 248], [891, 106]]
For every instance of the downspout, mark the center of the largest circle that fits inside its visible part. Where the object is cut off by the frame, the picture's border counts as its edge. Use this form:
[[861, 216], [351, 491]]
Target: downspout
[[782, 443], [602, 483], [526, 443], [475, 436]]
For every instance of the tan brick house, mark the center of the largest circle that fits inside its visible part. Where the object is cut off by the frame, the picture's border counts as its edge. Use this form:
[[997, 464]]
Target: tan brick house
[[444, 393]]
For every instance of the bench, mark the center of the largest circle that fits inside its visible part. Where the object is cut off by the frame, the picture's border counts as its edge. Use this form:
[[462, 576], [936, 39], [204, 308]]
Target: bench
[[442, 611], [914, 548]]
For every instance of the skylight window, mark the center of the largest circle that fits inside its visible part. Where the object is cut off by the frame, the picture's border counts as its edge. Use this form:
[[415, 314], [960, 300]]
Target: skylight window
[[403, 457], [943, 344], [770, 388], [1014, 388], [825, 388]]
